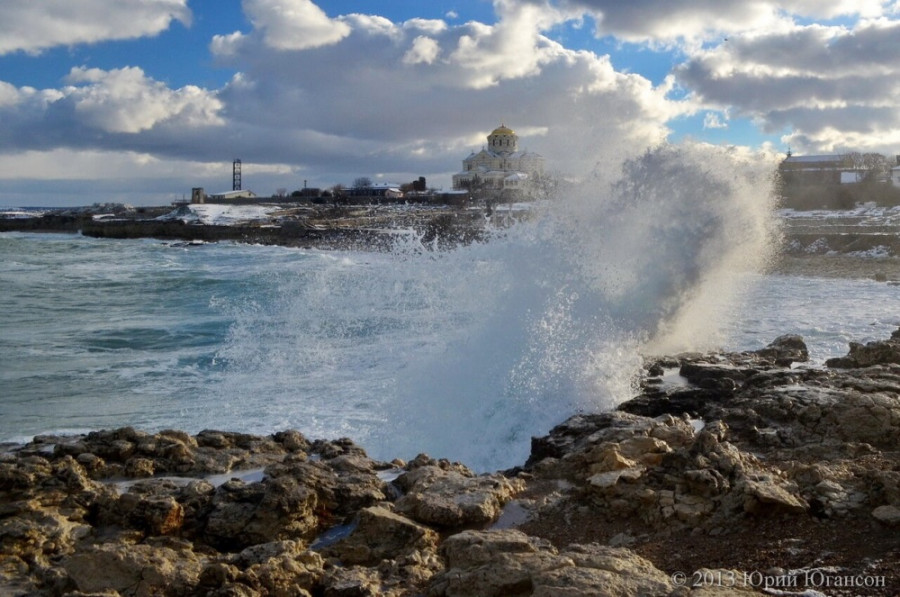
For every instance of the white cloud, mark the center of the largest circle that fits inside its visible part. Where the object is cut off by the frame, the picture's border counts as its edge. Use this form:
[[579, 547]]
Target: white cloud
[[358, 108], [358, 104], [30, 26], [424, 50], [512, 48], [127, 101], [831, 87], [654, 21], [712, 121], [294, 24]]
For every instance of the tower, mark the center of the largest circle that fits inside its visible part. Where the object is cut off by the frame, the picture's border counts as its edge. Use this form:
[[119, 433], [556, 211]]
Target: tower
[[236, 175], [503, 140]]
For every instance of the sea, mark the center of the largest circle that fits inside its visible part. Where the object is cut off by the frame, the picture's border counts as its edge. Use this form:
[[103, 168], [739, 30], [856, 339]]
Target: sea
[[462, 353]]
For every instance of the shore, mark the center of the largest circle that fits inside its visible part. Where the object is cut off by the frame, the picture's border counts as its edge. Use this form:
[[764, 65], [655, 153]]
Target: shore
[[885, 269], [727, 474]]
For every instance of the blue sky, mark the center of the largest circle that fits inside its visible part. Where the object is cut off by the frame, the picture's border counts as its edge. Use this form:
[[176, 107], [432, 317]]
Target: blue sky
[[139, 100]]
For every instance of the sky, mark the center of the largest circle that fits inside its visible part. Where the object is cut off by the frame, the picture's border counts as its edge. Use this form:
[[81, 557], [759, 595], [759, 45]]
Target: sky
[[138, 101]]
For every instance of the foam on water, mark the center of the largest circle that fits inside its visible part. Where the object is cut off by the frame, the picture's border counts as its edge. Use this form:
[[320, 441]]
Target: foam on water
[[463, 354], [561, 308]]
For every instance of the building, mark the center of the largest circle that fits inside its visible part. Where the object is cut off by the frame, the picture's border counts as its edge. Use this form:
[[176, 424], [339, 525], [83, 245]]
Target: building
[[500, 165], [895, 174], [818, 170], [237, 194], [386, 190]]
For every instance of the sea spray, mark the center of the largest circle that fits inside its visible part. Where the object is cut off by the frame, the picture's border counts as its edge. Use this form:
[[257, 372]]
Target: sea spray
[[562, 307]]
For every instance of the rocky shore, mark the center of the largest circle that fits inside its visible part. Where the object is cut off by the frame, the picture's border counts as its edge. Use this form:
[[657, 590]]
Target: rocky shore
[[346, 227], [729, 474]]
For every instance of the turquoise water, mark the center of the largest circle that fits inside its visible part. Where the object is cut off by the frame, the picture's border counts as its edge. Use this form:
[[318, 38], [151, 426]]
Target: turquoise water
[[100, 333], [464, 354]]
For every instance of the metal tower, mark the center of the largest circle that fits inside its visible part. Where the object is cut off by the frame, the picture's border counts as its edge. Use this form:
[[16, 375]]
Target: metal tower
[[236, 175]]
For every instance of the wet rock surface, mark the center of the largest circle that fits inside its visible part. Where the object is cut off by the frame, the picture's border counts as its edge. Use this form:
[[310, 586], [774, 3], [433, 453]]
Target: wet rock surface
[[752, 472]]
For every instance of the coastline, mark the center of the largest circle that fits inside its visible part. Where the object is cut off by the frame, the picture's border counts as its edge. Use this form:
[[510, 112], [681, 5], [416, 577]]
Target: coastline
[[883, 269], [754, 473]]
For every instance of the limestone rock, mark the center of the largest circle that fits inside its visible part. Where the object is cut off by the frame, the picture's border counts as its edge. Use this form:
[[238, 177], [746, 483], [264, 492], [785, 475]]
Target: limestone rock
[[865, 355], [379, 535], [245, 514], [505, 563], [889, 515], [448, 498], [602, 570], [139, 570], [493, 564], [786, 349]]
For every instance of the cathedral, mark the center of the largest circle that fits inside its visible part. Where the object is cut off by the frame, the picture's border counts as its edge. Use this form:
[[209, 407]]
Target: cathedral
[[500, 165]]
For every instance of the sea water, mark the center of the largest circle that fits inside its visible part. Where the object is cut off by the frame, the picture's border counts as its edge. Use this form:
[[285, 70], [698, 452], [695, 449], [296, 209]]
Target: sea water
[[463, 353]]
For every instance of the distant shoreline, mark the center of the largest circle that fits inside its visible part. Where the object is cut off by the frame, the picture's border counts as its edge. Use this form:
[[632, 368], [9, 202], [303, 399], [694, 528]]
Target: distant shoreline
[[829, 247]]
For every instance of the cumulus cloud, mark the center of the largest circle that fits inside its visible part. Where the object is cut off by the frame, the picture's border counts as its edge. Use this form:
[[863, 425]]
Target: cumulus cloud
[[329, 98], [29, 26], [666, 21], [286, 25], [127, 101], [119, 110], [712, 121], [831, 87], [423, 50], [416, 97]]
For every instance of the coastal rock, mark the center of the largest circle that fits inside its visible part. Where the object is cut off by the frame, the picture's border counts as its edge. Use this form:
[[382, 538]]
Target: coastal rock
[[277, 568], [139, 570], [889, 515], [881, 352], [451, 499], [508, 562], [379, 534], [785, 350], [603, 570], [742, 463], [245, 514], [493, 564]]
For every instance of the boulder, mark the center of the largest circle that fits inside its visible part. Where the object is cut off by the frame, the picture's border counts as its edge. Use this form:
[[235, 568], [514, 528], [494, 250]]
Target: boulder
[[889, 515], [448, 498], [508, 563], [243, 514], [139, 570], [497, 563], [603, 570], [381, 535], [872, 353], [786, 349]]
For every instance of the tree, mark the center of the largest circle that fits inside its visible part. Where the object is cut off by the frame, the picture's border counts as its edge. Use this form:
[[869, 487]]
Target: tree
[[362, 182], [872, 167]]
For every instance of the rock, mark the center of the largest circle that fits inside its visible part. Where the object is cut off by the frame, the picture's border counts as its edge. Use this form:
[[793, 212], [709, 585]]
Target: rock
[[504, 563], [144, 569], [866, 355], [889, 515], [279, 568], [492, 564], [452, 499], [380, 535], [764, 495], [245, 514], [602, 570], [353, 582], [785, 350]]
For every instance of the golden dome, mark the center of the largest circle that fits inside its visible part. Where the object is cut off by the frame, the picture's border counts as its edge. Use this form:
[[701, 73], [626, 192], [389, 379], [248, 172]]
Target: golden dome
[[503, 130]]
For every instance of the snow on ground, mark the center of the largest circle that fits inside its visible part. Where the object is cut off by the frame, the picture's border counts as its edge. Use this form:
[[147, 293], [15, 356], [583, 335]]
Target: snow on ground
[[217, 214], [865, 214]]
